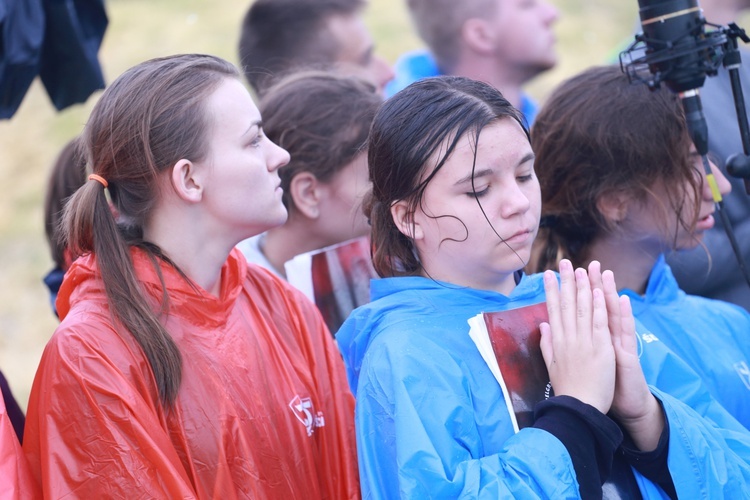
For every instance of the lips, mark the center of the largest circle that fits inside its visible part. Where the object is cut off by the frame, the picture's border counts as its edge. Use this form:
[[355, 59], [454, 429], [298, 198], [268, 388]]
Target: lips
[[706, 222], [520, 237]]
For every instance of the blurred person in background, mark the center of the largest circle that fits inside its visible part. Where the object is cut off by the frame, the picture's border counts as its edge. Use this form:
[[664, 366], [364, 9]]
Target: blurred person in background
[[711, 269], [505, 43], [282, 36], [56, 40], [322, 120], [67, 175]]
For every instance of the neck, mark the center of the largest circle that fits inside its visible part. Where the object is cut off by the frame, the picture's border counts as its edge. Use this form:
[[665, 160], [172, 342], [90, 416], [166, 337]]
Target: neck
[[197, 250], [503, 283], [486, 69], [293, 238], [630, 263]]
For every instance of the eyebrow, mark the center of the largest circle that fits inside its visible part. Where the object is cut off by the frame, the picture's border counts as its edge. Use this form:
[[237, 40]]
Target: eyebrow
[[256, 123], [488, 171], [474, 175]]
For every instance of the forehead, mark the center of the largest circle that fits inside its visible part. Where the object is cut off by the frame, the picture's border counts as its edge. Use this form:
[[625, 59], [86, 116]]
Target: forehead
[[502, 144], [230, 106], [510, 10]]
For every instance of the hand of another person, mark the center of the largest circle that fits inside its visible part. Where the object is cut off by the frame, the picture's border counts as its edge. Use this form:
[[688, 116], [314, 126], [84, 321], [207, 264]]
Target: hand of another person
[[633, 406], [576, 343]]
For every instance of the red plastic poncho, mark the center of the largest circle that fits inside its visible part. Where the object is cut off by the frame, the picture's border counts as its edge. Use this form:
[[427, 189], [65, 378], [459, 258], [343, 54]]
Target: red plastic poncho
[[15, 478], [263, 411]]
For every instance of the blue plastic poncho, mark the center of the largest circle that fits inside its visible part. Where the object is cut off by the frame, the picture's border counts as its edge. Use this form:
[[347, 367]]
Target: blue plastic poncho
[[432, 422], [712, 336]]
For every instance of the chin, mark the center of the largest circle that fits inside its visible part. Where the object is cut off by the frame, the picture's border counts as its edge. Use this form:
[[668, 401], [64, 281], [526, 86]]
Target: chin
[[690, 243], [283, 215], [540, 67], [515, 262], [548, 63], [273, 222], [281, 221]]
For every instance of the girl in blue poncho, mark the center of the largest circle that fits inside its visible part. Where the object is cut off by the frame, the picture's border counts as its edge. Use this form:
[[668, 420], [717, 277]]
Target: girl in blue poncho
[[622, 184], [454, 209]]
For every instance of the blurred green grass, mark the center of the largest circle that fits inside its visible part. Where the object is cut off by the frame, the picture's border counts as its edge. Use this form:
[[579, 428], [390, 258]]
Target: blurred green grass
[[588, 32]]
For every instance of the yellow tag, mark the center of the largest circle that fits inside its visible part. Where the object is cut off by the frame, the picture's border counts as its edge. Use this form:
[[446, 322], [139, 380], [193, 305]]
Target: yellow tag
[[714, 188]]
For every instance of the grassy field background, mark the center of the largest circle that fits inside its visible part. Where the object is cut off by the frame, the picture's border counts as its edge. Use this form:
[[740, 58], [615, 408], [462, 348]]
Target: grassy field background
[[588, 33]]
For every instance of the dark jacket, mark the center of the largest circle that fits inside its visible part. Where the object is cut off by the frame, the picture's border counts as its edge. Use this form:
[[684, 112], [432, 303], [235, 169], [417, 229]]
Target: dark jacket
[[55, 39]]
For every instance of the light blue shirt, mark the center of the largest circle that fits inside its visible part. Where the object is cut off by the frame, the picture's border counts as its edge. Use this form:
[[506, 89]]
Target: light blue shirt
[[419, 64]]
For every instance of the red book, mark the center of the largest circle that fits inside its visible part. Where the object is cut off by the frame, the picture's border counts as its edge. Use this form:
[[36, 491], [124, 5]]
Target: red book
[[509, 343], [335, 278]]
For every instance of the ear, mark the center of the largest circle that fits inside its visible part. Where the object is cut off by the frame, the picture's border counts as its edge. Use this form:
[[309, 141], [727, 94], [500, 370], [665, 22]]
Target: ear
[[404, 220], [186, 181], [478, 36], [306, 191], [614, 206]]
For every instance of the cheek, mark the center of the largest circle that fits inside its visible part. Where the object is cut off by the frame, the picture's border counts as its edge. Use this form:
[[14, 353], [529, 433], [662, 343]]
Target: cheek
[[688, 213], [351, 184], [461, 226], [345, 199], [671, 224], [520, 35], [534, 195]]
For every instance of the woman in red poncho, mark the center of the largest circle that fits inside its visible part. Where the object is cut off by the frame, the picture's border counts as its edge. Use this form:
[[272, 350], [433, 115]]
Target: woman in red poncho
[[178, 371]]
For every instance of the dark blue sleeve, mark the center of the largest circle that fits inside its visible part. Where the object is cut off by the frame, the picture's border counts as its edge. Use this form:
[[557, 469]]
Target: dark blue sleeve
[[15, 414], [590, 437]]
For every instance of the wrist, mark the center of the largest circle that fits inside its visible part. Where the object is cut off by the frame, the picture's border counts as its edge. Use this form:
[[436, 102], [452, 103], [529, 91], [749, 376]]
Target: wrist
[[646, 427]]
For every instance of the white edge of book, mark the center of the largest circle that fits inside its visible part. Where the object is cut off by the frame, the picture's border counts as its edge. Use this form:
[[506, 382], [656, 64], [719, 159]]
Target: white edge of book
[[299, 274], [481, 337], [299, 268]]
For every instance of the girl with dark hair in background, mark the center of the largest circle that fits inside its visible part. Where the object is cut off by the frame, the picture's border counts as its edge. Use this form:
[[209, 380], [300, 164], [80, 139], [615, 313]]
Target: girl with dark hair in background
[[322, 120], [68, 174], [622, 184], [178, 371], [454, 207]]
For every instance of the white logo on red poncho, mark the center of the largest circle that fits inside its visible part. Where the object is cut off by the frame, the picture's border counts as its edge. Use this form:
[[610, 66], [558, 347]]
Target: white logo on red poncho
[[305, 412]]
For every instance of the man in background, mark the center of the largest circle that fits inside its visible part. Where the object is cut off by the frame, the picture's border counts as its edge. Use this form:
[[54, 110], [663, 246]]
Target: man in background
[[283, 36], [505, 43]]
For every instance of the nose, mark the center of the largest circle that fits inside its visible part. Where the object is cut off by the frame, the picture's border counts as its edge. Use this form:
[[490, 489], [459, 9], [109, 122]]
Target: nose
[[722, 183], [382, 72], [515, 201], [277, 157]]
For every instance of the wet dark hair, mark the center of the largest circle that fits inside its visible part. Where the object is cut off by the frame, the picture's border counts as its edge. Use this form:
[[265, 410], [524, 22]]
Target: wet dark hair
[[281, 36], [418, 127], [149, 118], [598, 135], [321, 119]]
